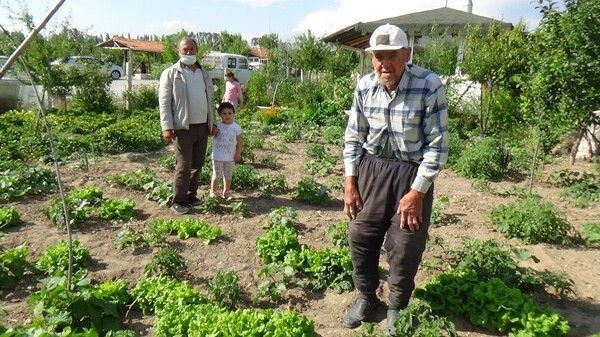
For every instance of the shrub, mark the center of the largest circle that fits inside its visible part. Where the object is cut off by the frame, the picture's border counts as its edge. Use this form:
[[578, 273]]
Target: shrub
[[281, 216], [273, 183], [129, 238], [583, 188], [532, 220], [241, 209], [166, 262], [334, 134], [142, 97], [224, 288], [591, 233], [311, 192], [486, 159], [338, 233], [418, 320], [245, 176], [92, 92], [9, 217], [210, 204]]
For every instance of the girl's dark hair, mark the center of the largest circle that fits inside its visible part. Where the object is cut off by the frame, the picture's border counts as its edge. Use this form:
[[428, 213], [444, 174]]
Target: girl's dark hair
[[225, 105]]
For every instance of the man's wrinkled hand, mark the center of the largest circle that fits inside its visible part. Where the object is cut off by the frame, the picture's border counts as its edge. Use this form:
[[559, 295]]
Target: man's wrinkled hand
[[410, 210], [352, 201], [169, 136]]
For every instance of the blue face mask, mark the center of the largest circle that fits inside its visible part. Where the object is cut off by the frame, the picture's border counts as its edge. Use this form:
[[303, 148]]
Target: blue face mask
[[187, 59]]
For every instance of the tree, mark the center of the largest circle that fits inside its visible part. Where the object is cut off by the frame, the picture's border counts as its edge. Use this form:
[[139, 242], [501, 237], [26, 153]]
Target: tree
[[233, 43], [269, 41], [340, 62], [439, 53], [495, 59], [309, 53], [564, 79]]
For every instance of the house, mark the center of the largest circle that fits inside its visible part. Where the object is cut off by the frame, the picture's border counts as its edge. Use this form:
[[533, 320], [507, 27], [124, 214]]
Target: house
[[416, 25], [257, 57]]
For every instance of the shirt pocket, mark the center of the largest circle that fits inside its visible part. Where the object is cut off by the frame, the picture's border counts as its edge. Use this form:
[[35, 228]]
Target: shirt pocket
[[412, 121]]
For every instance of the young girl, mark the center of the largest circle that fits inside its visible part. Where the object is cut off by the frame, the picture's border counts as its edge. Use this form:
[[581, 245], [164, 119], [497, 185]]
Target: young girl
[[233, 90], [227, 148]]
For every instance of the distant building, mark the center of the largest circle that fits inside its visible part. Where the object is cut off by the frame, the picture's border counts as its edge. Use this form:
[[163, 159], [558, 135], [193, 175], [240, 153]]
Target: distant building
[[257, 57]]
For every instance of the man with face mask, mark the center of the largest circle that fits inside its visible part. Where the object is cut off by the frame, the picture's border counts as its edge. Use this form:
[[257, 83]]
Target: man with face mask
[[185, 95], [396, 143]]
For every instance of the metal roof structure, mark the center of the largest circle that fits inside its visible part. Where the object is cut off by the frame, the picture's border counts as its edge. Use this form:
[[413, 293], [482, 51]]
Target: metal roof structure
[[416, 24], [117, 42]]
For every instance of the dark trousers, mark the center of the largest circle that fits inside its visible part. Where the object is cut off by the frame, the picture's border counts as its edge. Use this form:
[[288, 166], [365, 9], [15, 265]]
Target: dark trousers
[[381, 184], [190, 150]]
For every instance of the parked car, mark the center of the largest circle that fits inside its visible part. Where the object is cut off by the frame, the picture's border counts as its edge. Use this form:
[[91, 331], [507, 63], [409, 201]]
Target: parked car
[[115, 71], [221, 62]]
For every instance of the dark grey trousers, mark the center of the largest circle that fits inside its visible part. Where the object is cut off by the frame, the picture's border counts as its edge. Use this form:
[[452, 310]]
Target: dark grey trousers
[[190, 150], [381, 184]]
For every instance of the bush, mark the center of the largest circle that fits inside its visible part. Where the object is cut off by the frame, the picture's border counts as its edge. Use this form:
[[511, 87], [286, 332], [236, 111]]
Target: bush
[[591, 233], [244, 176], [92, 92], [486, 159], [142, 97], [311, 192], [418, 320], [224, 288], [166, 262], [532, 220], [338, 233]]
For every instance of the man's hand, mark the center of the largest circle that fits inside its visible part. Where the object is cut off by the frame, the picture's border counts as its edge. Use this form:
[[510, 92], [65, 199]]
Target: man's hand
[[237, 158], [410, 210], [214, 130], [352, 201], [169, 136]]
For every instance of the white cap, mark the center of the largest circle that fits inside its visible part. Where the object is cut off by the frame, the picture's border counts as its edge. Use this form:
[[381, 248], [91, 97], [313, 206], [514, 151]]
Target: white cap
[[387, 37]]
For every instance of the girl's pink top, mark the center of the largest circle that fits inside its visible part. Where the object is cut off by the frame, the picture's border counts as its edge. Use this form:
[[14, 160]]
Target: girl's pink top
[[233, 92]]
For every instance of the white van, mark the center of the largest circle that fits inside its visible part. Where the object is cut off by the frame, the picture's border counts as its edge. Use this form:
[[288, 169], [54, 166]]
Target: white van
[[221, 62]]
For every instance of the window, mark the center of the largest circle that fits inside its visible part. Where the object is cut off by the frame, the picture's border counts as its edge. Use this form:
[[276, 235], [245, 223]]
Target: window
[[231, 62], [243, 64]]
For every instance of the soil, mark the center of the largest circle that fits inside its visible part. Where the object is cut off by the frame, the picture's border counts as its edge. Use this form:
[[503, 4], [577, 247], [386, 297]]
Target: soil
[[466, 215]]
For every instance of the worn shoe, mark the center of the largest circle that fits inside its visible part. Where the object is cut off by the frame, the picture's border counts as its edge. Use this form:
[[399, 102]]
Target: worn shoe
[[193, 200], [359, 311], [392, 316], [180, 209]]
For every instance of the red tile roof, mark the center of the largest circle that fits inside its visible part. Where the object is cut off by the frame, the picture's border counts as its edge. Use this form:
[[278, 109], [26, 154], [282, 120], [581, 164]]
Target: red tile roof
[[133, 44]]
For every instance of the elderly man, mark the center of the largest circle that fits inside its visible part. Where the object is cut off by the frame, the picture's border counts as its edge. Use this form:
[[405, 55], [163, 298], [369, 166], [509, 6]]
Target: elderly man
[[396, 143], [185, 95]]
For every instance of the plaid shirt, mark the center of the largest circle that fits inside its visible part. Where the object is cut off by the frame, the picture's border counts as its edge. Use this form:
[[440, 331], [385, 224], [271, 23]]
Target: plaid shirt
[[414, 121]]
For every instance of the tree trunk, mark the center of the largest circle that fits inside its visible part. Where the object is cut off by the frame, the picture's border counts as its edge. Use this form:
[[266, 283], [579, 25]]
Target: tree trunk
[[576, 145]]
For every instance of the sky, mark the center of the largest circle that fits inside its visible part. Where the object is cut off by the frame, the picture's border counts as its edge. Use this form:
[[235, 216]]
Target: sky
[[250, 18]]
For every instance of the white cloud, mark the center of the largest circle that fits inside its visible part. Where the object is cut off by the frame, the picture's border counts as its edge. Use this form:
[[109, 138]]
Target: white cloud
[[260, 3], [347, 12]]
